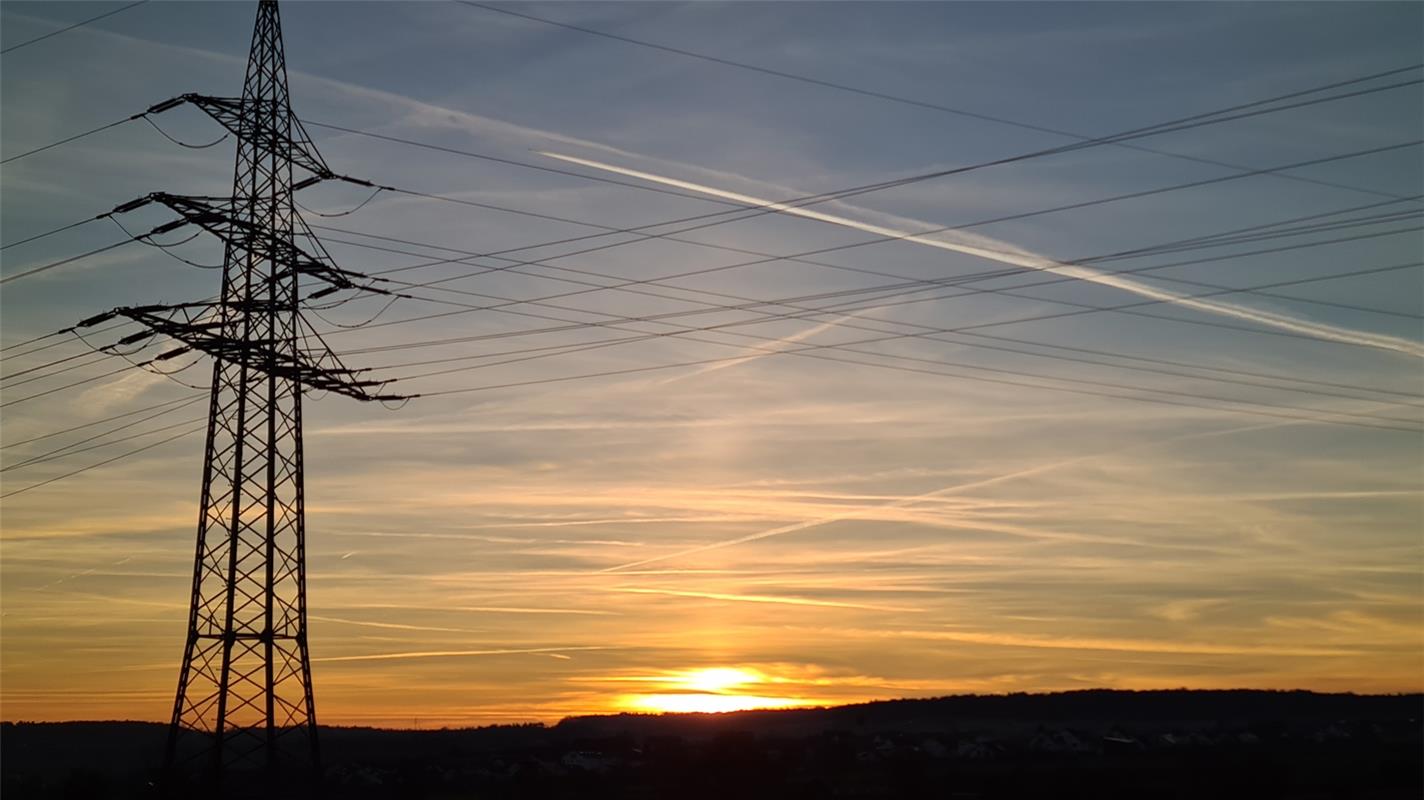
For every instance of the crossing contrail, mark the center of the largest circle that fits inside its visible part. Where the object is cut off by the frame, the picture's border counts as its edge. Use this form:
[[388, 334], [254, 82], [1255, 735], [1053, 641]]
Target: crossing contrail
[[1019, 258]]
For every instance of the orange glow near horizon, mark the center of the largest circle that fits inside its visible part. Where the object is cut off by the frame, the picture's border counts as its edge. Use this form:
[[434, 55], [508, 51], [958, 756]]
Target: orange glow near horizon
[[693, 703], [705, 691]]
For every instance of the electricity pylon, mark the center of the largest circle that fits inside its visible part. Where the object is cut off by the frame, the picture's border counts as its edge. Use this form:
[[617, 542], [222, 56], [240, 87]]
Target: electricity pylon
[[245, 687]]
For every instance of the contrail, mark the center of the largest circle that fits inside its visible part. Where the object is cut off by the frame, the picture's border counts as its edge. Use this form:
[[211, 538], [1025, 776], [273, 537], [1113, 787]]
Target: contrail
[[762, 351], [1033, 261], [816, 523], [959, 487]]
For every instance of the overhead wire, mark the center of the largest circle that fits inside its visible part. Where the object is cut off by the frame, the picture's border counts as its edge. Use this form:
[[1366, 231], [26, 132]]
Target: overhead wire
[[27, 273], [623, 284], [166, 249], [1171, 126], [118, 457], [368, 200], [930, 105], [61, 332], [75, 449], [8, 384], [877, 303], [182, 401], [744, 356], [68, 28], [60, 229], [764, 257], [149, 119], [901, 335], [1320, 100], [64, 449]]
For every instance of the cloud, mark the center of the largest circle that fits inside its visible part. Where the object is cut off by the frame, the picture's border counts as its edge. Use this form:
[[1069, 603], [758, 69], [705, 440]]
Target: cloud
[[761, 598], [457, 653]]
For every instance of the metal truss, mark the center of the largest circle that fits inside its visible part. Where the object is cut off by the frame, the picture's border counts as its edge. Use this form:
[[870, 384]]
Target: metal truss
[[244, 705]]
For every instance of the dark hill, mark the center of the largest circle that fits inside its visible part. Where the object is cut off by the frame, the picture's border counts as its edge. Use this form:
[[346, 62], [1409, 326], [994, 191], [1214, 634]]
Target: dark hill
[[1098, 744]]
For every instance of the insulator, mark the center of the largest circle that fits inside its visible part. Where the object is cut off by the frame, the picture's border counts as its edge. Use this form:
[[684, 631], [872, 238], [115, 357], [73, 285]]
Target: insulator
[[124, 208], [96, 319], [312, 181], [167, 226], [159, 108], [172, 354]]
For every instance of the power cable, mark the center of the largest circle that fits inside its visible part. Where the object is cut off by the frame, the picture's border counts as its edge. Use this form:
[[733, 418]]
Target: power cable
[[899, 335], [929, 105], [79, 24], [765, 257], [104, 462], [1020, 384], [67, 140], [543, 262], [1185, 123], [74, 449], [147, 118], [181, 401], [62, 262]]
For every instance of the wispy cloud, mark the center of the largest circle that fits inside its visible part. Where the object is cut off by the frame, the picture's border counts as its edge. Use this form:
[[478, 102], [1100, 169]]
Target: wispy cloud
[[508, 651], [761, 598]]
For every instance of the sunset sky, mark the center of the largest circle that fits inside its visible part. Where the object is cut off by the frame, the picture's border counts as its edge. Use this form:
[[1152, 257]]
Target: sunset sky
[[1216, 492]]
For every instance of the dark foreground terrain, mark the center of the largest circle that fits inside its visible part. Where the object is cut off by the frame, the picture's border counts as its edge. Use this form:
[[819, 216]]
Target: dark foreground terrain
[[1092, 744]]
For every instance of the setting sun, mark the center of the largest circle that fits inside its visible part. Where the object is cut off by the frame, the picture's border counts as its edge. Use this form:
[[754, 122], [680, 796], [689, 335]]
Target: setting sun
[[706, 690], [715, 679], [709, 703]]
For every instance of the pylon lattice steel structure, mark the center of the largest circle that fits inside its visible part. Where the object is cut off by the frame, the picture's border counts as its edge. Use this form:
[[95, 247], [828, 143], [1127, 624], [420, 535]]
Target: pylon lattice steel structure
[[245, 687]]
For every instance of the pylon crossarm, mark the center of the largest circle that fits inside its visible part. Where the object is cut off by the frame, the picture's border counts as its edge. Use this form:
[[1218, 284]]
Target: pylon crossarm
[[312, 367], [241, 119], [222, 217]]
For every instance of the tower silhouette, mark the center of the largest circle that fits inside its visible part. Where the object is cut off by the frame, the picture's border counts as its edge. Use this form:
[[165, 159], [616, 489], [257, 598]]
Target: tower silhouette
[[246, 674], [244, 699]]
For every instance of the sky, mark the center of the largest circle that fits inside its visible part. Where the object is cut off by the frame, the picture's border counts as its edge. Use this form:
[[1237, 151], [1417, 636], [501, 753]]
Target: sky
[[1004, 489]]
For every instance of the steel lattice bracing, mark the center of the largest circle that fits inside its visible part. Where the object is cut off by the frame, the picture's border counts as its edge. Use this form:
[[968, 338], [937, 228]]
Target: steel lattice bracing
[[245, 690]]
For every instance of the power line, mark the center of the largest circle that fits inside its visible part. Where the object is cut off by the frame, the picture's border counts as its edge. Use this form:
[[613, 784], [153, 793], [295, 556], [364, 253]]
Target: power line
[[800, 257], [916, 285], [73, 138], [708, 361], [54, 453], [9, 383], [183, 401], [976, 367], [62, 262], [925, 332], [894, 335], [79, 24], [60, 229], [55, 362], [1185, 123], [74, 449], [53, 334], [118, 457], [878, 303], [820, 251], [1208, 118], [936, 106], [19, 400], [512, 162]]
